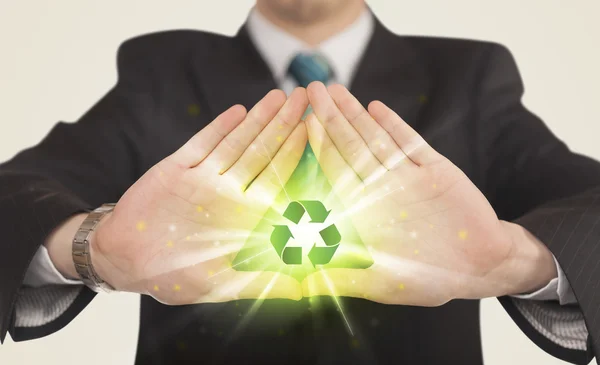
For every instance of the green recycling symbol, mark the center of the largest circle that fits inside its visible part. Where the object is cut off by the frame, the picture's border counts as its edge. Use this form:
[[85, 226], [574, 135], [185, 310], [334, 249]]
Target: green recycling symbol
[[318, 255]]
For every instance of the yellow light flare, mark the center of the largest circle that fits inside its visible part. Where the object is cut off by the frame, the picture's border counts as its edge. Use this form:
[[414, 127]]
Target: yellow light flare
[[416, 252], [193, 110], [434, 186], [401, 286], [211, 273], [156, 288], [279, 138], [239, 209], [187, 238], [403, 214], [140, 226], [199, 208], [176, 287], [170, 244], [462, 234]]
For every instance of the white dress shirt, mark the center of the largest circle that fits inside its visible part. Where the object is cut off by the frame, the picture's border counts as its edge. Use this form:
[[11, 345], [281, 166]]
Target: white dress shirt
[[343, 51]]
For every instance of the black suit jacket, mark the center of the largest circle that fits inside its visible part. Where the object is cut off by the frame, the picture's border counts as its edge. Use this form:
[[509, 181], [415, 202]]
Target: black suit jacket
[[462, 96]]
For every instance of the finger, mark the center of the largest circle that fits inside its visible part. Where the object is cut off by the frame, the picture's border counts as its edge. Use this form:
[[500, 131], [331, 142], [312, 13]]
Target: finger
[[205, 141], [340, 282], [413, 145], [381, 144], [269, 183], [347, 140], [254, 285], [340, 175], [271, 138], [229, 150], [371, 284], [197, 284]]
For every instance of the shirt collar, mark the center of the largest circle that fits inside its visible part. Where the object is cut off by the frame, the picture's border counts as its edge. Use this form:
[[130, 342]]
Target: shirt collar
[[343, 51]]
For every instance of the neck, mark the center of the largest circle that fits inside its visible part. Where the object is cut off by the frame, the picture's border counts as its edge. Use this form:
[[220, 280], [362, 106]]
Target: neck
[[315, 32]]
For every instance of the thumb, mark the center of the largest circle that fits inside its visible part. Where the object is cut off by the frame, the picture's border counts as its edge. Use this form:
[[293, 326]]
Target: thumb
[[336, 282]]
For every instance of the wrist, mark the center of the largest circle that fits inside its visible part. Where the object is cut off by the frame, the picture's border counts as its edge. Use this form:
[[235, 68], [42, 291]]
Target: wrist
[[59, 246], [99, 261], [530, 266]]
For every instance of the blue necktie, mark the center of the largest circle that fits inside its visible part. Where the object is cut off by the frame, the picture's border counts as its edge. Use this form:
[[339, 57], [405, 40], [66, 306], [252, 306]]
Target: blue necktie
[[306, 68]]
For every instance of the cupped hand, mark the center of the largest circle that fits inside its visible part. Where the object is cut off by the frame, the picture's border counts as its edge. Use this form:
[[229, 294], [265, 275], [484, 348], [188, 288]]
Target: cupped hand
[[174, 233]]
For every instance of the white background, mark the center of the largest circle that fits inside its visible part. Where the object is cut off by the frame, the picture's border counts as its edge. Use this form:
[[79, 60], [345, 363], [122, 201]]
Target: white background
[[57, 58]]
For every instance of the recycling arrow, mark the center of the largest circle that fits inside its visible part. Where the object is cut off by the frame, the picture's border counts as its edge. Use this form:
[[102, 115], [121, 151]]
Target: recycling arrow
[[316, 210], [318, 255], [321, 255], [279, 239], [294, 212]]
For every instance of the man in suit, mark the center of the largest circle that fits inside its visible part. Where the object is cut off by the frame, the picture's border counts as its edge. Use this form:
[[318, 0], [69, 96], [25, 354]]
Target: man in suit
[[469, 190]]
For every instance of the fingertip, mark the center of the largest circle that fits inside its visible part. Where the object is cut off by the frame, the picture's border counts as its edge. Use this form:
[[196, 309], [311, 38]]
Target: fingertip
[[299, 90], [314, 87], [277, 95], [238, 110], [374, 106], [299, 94], [297, 293]]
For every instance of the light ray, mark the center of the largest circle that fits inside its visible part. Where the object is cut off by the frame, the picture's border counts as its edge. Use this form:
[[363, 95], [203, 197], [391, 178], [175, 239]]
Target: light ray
[[274, 168], [239, 263], [256, 305], [191, 258], [336, 300], [365, 202]]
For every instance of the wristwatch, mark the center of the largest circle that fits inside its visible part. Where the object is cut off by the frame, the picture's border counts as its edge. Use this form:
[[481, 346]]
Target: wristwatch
[[81, 250]]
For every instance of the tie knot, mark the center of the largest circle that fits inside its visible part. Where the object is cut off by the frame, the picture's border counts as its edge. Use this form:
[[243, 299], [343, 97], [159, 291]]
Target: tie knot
[[306, 68]]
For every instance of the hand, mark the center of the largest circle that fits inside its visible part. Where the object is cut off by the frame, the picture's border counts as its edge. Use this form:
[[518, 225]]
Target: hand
[[174, 233], [432, 234]]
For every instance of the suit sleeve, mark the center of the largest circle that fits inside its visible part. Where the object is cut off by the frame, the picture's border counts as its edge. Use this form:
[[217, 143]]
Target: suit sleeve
[[534, 180], [75, 168]]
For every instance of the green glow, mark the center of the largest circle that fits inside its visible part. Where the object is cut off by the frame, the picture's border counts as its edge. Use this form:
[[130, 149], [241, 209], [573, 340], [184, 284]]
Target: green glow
[[307, 183], [282, 234]]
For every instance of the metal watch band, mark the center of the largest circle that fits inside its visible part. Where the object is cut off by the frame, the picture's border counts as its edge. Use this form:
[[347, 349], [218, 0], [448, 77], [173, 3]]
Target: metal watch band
[[81, 250]]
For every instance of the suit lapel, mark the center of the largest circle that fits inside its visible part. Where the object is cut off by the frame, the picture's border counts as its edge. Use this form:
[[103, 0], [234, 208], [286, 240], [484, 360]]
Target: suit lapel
[[391, 71], [232, 72]]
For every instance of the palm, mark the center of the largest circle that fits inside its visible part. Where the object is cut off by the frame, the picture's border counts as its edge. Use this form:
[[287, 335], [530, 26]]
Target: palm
[[430, 225], [181, 223], [422, 218]]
